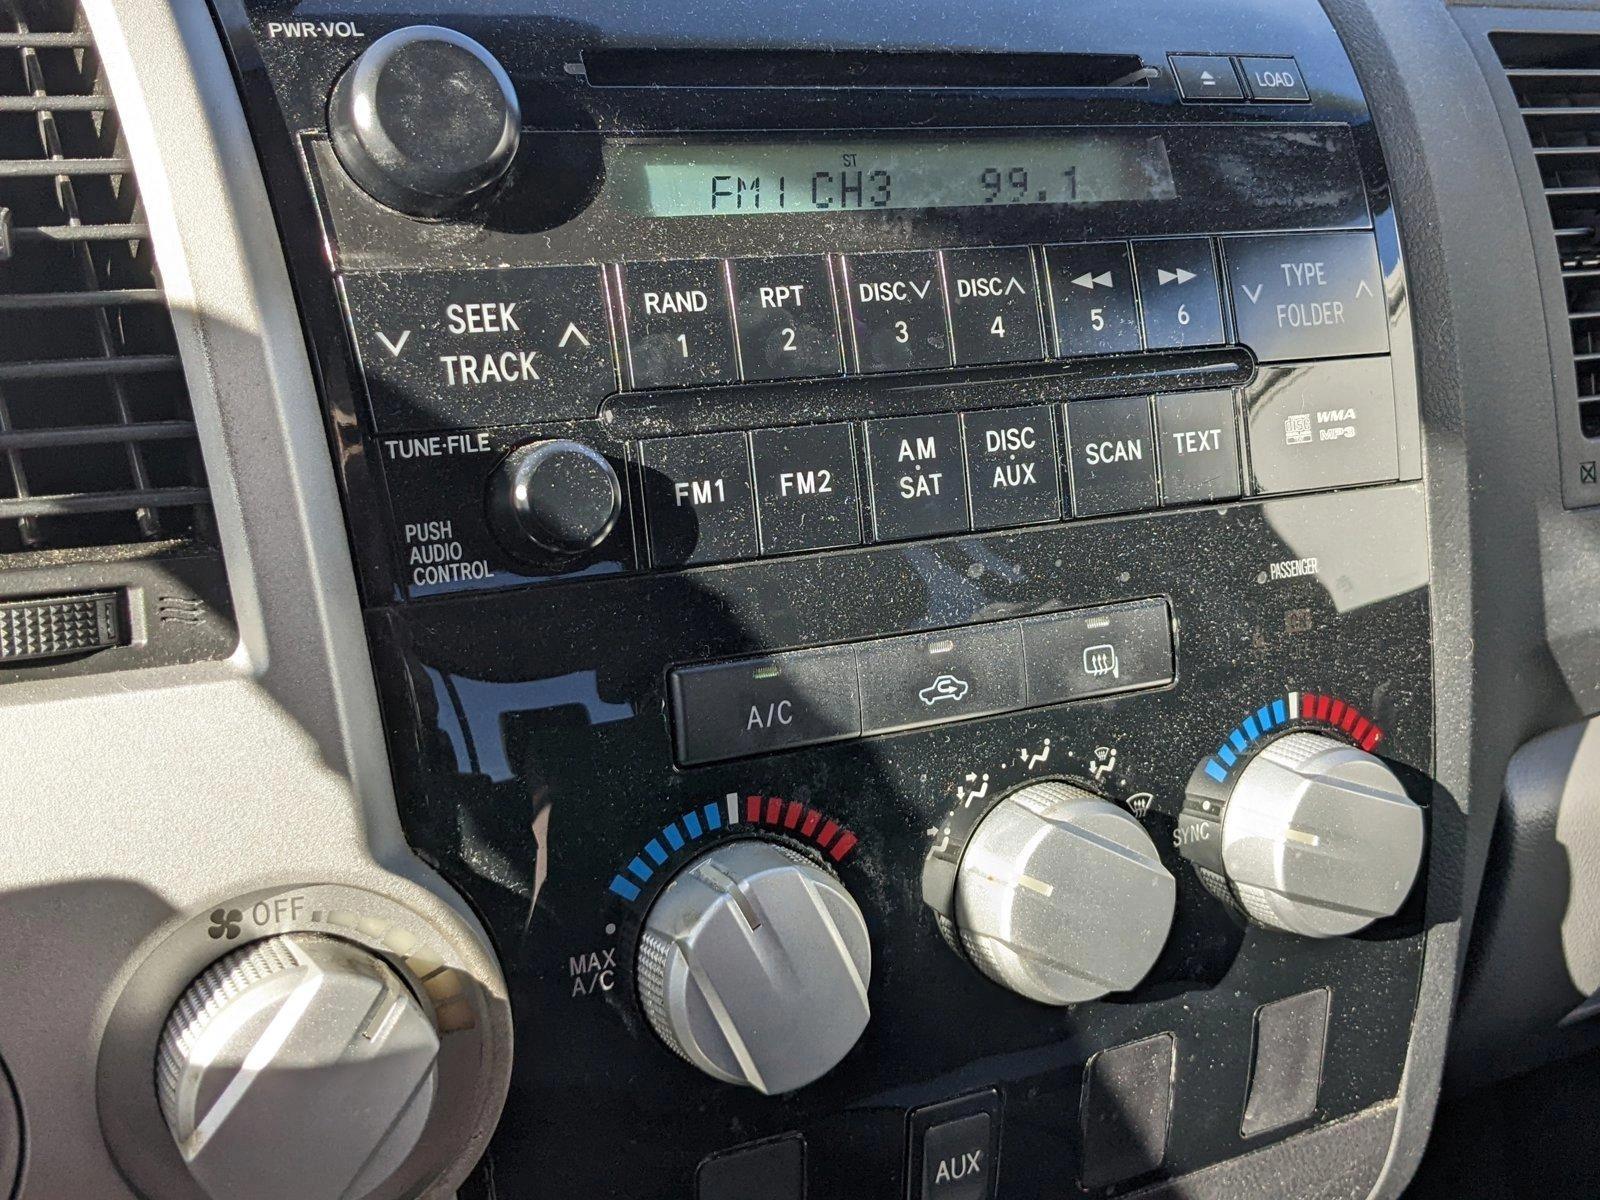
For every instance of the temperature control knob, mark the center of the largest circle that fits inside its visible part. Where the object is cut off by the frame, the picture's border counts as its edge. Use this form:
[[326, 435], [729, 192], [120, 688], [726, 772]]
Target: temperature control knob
[[300, 1065], [560, 495], [754, 965], [1313, 836], [425, 121], [1061, 896]]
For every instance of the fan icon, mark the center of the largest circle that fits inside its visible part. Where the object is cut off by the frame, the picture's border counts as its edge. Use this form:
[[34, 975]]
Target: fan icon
[[225, 923]]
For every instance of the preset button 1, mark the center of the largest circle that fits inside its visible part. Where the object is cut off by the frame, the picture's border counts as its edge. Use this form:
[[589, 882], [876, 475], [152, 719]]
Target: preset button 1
[[806, 488], [680, 331], [1012, 471], [994, 305], [1308, 295], [698, 502], [1095, 307], [454, 349], [897, 311], [788, 328], [918, 477]]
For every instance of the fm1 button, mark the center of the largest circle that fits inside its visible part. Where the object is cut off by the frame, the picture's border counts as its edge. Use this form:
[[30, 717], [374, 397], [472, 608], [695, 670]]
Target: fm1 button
[[1199, 447], [698, 502], [1112, 455], [788, 328], [1179, 294], [897, 314], [919, 482], [680, 332], [806, 493], [1308, 295], [1095, 307], [1012, 472], [994, 305]]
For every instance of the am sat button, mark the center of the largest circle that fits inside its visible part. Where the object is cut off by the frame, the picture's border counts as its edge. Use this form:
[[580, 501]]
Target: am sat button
[[1098, 651], [788, 328], [927, 679], [918, 477], [897, 314], [680, 330], [756, 706], [1013, 474], [1111, 451], [458, 349], [994, 305], [698, 502], [806, 494], [1308, 295]]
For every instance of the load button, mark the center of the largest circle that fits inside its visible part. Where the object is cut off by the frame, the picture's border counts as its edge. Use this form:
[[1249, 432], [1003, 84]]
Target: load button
[[1308, 295]]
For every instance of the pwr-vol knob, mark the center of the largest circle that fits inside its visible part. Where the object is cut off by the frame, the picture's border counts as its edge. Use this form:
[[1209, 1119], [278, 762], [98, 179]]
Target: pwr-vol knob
[[425, 120], [1061, 896], [300, 1065], [1312, 836], [554, 497], [753, 966]]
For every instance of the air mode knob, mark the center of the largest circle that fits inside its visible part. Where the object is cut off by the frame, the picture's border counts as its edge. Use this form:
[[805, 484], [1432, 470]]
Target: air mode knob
[[1061, 896], [754, 964], [1313, 836], [425, 120], [300, 1065], [559, 495]]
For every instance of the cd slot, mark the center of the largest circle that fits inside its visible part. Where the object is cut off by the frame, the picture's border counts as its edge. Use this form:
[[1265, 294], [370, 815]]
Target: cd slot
[[861, 69]]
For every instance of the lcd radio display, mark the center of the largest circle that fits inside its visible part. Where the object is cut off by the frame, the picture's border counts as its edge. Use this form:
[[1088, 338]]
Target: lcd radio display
[[661, 178]]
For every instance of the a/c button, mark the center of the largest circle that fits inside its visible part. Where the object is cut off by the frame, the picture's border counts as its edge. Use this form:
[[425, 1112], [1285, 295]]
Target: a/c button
[[758, 705]]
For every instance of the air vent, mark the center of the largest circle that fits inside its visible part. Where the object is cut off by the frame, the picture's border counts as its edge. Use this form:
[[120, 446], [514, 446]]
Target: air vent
[[97, 440], [1556, 81]]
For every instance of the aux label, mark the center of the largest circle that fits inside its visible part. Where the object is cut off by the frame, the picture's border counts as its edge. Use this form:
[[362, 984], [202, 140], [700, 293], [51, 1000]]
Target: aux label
[[966, 1165]]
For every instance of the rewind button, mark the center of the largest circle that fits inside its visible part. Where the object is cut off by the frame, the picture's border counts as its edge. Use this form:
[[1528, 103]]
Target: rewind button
[[1094, 307]]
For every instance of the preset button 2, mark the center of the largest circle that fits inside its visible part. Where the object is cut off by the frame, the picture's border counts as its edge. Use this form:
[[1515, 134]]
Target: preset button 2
[[698, 502], [788, 327], [994, 305], [1013, 474], [897, 311], [453, 349], [1095, 307], [918, 477], [680, 331], [806, 488]]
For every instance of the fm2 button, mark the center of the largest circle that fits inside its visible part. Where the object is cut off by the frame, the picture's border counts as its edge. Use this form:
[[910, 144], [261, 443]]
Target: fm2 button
[[1095, 307], [994, 305], [1308, 295], [806, 493], [698, 502], [897, 313], [919, 483], [1012, 472], [788, 328], [680, 330]]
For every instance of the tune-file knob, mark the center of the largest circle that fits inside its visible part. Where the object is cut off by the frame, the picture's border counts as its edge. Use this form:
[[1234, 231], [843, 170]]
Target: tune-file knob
[[1061, 896], [1312, 836], [754, 964]]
